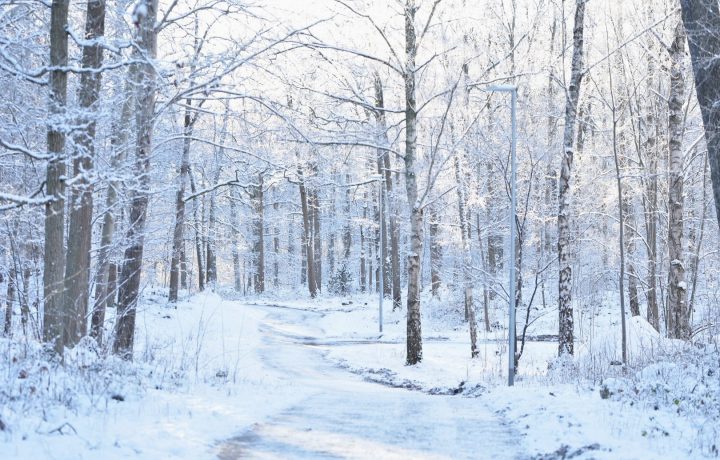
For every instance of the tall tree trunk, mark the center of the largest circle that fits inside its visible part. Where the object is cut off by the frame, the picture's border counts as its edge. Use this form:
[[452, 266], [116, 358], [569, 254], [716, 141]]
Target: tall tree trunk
[[204, 231], [629, 230], [382, 239], [653, 316], [565, 322], [621, 215], [550, 171], [702, 23], [119, 143], [54, 257], [390, 203], [276, 246], [369, 260], [9, 300], [14, 287], [347, 229], [486, 313], [144, 111], [467, 261], [212, 207], [414, 328], [247, 279], [363, 274], [25, 298], [112, 288], [651, 191], [391, 222], [678, 312], [178, 243], [198, 234], [308, 250], [303, 261], [696, 241], [331, 235], [436, 252], [394, 229], [259, 230], [291, 246], [629, 226], [12, 276], [183, 269], [317, 237], [77, 265], [234, 239], [211, 258], [495, 241]]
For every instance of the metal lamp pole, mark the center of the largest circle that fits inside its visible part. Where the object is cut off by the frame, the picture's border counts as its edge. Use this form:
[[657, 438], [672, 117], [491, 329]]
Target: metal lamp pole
[[381, 267], [512, 89]]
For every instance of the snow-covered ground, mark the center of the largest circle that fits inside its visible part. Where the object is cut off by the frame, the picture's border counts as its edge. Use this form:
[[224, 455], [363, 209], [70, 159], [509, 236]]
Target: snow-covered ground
[[663, 407], [279, 378], [197, 379]]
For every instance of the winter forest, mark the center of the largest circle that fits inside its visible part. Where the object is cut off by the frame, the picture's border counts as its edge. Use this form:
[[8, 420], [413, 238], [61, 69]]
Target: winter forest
[[432, 229]]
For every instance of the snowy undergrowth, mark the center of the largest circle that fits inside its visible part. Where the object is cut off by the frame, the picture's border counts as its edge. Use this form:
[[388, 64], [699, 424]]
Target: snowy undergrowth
[[36, 390], [664, 404], [683, 382], [196, 379]]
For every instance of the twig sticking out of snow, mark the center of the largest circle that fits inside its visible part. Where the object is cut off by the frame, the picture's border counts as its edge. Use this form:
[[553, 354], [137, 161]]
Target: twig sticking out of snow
[[60, 429]]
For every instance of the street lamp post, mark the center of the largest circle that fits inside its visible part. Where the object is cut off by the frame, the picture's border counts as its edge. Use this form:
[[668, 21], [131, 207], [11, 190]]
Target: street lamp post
[[381, 267], [512, 89]]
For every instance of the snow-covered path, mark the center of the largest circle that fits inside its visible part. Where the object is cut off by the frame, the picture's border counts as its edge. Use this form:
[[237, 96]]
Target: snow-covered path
[[344, 416]]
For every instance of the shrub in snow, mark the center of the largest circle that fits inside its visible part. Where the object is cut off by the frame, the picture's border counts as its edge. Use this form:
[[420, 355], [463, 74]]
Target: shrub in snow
[[562, 369], [685, 381], [35, 386], [447, 308], [341, 281]]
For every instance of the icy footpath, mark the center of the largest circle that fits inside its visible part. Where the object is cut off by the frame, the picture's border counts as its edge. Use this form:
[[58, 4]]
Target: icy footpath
[[666, 407], [196, 379], [345, 416]]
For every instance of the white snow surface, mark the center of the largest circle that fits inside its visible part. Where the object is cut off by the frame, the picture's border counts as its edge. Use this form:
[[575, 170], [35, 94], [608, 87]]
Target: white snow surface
[[177, 402], [297, 378]]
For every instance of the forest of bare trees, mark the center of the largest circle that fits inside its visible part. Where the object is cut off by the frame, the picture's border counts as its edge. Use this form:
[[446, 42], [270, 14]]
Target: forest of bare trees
[[191, 146]]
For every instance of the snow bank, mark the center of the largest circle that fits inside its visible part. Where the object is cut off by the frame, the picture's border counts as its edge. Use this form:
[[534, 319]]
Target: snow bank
[[196, 379]]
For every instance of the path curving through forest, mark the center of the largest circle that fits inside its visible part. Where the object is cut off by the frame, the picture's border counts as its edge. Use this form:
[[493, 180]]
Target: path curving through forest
[[346, 417]]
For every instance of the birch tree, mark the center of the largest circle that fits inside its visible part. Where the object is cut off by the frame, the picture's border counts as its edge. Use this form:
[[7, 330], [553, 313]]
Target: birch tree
[[678, 323], [565, 308]]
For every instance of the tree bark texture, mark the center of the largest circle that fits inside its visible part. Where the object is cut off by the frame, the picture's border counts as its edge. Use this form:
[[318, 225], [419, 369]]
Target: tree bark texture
[[119, 144], [259, 230], [54, 258], [436, 251], [677, 307], [565, 320], [145, 107], [178, 243], [467, 260], [317, 237], [235, 239], [77, 265], [702, 24], [308, 250], [414, 329]]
